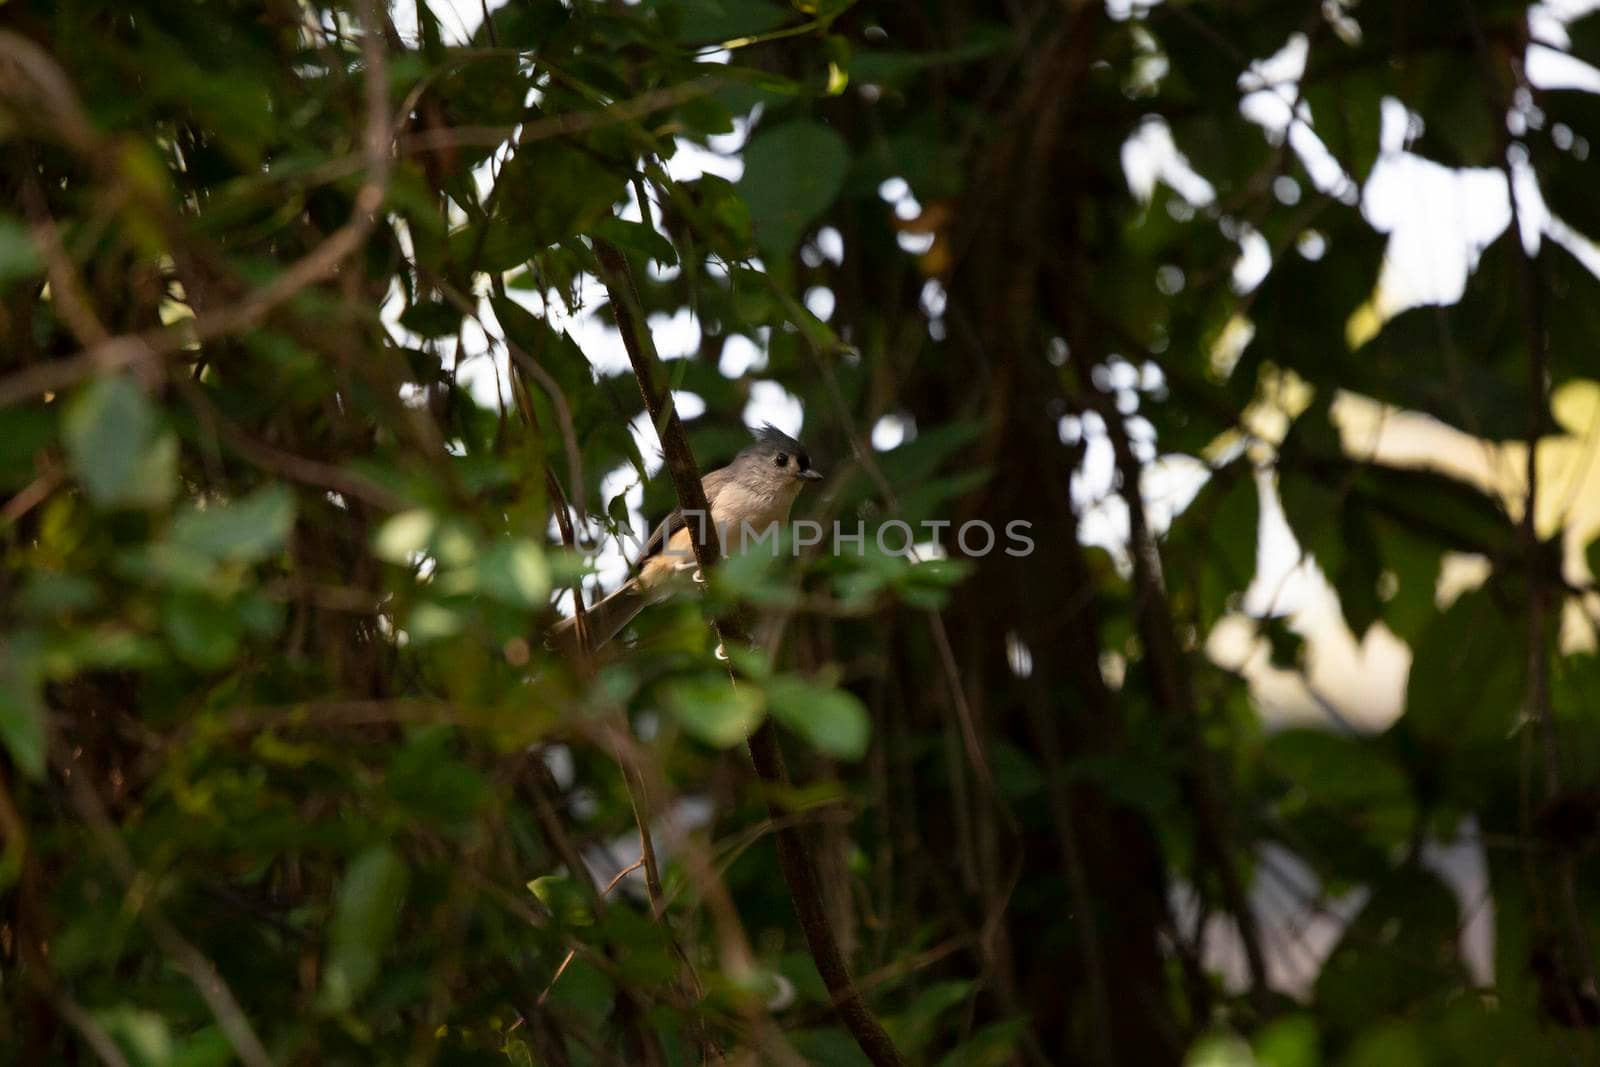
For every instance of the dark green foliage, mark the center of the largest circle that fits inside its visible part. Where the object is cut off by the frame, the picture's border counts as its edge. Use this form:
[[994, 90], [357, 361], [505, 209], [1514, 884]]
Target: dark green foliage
[[288, 775]]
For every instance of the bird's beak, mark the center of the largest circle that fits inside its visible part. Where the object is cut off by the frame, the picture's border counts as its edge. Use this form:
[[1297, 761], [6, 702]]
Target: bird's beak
[[811, 475]]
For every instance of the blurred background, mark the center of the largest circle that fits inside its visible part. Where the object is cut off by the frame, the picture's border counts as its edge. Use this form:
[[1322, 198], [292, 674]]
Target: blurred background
[[1276, 323]]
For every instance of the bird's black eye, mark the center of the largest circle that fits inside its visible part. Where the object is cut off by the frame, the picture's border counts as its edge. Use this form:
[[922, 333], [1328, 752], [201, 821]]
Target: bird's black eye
[[782, 459]]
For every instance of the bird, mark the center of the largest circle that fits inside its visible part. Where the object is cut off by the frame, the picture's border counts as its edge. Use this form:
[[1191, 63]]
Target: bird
[[749, 499]]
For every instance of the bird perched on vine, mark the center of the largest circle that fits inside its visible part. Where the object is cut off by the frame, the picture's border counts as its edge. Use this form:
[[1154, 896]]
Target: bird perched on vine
[[750, 500]]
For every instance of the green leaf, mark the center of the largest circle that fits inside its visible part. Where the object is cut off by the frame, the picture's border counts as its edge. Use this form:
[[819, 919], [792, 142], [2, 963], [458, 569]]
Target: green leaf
[[638, 238], [791, 175], [204, 631], [18, 257], [514, 573], [365, 918], [51, 594], [142, 1034], [245, 531], [24, 433], [567, 904], [885, 67], [713, 710], [1410, 916], [402, 536], [990, 1046], [715, 21], [915, 1028], [1343, 792], [518, 1053], [116, 446], [1388, 1045], [22, 711], [432, 319], [207, 1047], [1288, 1042], [831, 720], [1466, 682], [549, 191]]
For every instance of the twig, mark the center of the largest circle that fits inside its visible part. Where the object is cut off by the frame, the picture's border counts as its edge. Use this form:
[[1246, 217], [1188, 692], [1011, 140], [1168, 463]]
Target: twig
[[31, 496], [571, 952], [287, 464], [569, 435], [646, 1044], [794, 857], [92, 1031], [558, 125], [62, 114]]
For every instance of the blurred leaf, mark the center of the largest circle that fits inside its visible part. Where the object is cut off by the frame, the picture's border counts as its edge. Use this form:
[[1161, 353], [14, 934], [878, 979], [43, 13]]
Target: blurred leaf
[[116, 447], [52, 595], [1016, 773], [404, 535], [791, 175], [515, 573], [638, 238], [204, 631], [1290, 1041], [713, 710], [831, 1045], [432, 319], [18, 257], [1464, 688], [716, 21], [831, 720], [916, 1027], [993, 1045], [142, 1034], [433, 782], [247, 530], [1219, 1049], [207, 1047], [567, 904], [366, 915], [1346, 795], [22, 710], [518, 1053], [1410, 917], [24, 433], [887, 67], [1389, 1044]]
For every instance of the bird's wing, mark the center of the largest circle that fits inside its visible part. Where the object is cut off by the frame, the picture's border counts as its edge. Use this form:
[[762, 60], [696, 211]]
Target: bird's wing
[[712, 484]]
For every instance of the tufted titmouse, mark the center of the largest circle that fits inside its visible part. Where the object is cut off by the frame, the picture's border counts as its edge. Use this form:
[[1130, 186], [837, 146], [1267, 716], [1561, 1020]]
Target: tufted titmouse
[[749, 499]]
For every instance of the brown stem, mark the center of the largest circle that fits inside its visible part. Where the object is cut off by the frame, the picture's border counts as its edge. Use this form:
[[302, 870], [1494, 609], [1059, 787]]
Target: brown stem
[[1174, 689], [794, 858]]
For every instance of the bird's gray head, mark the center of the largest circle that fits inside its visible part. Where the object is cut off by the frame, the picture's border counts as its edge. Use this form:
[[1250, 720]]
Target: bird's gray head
[[775, 459]]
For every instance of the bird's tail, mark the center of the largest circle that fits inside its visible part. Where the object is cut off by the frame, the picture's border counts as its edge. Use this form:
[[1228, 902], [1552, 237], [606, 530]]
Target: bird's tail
[[603, 620]]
